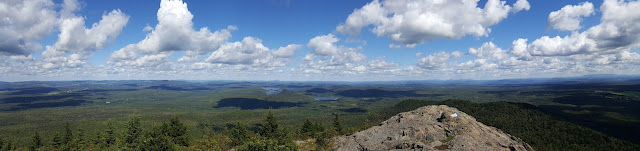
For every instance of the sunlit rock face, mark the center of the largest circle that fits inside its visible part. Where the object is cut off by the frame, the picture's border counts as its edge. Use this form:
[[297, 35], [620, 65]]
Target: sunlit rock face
[[431, 128]]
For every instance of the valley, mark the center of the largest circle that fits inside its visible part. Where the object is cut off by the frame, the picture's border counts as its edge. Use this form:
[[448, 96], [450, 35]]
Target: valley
[[609, 107]]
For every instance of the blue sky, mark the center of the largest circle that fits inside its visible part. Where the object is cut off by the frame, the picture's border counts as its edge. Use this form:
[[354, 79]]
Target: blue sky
[[317, 40]]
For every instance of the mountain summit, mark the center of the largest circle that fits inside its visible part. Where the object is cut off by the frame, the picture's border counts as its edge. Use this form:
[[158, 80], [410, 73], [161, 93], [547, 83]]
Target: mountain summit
[[431, 128]]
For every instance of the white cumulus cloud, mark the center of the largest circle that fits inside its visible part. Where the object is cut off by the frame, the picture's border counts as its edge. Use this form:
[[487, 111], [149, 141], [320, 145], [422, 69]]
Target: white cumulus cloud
[[489, 50], [79, 41], [325, 49], [174, 32], [569, 17], [251, 51], [437, 61], [201, 49], [23, 23], [328, 59], [521, 5], [617, 32], [412, 22], [288, 51], [380, 63]]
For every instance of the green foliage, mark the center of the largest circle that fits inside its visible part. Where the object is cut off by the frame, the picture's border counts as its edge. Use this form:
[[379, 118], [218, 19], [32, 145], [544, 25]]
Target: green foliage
[[109, 137], [57, 141], [68, 141], [536, 127], [36, 142], [97, 140], [527, 122], [133, 135], [239, 134], [337, 125], [176, 131], [270, 128], [6, 145], [68, 135], [164, 137], [157, 140], [322, 139], [79, 141], [311, 129], [212, 141], [266, 144], [272, 137]]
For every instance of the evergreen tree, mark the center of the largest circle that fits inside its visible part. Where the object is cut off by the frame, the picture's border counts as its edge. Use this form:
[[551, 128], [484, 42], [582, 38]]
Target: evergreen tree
[[133, 135], [321, 140], [272, 137], [239, 134], [68, 136], [79, 141], [157, 140], [36, 142], [6, 146], [311, 129], [109, 137], [176, 131], [337, 124], [212, 141], [98, 139], [306, 126], [270, 128], [57, 141]]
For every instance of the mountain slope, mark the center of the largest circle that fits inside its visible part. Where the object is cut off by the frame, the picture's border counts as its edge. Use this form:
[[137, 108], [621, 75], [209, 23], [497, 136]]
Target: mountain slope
[[430, 128]]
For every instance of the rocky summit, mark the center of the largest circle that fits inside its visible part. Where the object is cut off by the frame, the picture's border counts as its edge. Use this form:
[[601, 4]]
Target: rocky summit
[[431, 128]]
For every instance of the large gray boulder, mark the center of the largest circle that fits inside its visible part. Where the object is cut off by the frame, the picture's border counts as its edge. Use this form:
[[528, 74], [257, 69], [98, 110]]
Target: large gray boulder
[[431, 128]]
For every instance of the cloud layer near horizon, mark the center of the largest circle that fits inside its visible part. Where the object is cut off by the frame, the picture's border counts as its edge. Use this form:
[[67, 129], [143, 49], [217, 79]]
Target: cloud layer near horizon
[[208, 54]]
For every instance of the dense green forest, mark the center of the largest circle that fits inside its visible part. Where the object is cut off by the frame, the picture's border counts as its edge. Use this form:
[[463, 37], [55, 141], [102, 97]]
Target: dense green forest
[[172, 135], [527, 122], [541, 130]]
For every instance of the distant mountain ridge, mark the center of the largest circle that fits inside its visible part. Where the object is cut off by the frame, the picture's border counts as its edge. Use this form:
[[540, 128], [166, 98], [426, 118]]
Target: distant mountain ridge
[[582, 78]]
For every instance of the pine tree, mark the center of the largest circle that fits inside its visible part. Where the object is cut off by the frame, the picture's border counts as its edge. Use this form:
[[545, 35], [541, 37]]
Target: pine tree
[[177, 131], [272, 137], [57, 141], [311, 129], [6, 146], [68, 136], [79, 142], [2, 144], [36, 142], [239, 134], [157, 140], [98, 139], [270, 129], [132, 137], [337, 124], [109, 138], [321, 140], [306, 126]]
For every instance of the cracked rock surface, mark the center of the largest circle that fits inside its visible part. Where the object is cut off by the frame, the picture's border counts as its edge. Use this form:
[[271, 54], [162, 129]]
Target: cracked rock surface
[[431, 128]]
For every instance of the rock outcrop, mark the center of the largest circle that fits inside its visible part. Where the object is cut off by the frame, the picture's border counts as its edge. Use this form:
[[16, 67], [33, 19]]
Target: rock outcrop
[[431, 128]]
